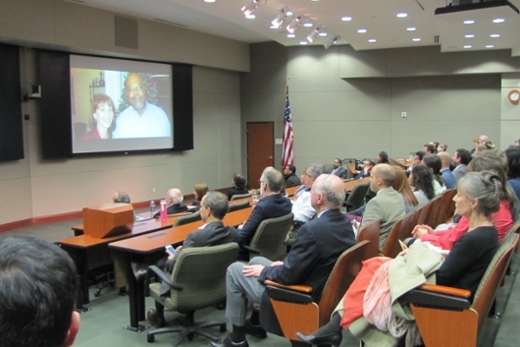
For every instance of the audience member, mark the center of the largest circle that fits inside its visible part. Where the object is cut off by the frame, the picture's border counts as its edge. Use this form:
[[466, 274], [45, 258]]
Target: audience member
[[446, 174], [238, 183], [121, 197], [513, 172], [38, 286], [101, 121], [442, 148], [366, 169], [302, 208], [291, 180], [464, 266], [199, 191], [402, 186], [309, 262], [417, 159], [174, 199], [429, 149], [461, 158], [213, 208], [271, 204], [433, 163], [382, 158], [338, 169], [387, 206], [421, 180]]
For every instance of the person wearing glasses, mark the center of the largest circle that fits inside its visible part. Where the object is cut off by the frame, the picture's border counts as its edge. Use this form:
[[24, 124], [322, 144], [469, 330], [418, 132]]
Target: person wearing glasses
[[271, 205]]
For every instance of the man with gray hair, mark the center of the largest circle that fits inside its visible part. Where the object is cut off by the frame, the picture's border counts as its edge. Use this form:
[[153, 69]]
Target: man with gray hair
[[174, 199], [121, 197], [309, 262], [271, 205]]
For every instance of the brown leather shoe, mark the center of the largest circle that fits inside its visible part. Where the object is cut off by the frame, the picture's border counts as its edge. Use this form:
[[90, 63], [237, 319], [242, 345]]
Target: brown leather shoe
[[155, 319]]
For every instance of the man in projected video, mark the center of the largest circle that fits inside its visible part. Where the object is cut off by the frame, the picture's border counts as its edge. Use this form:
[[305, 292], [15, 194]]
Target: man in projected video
[[141, 118]]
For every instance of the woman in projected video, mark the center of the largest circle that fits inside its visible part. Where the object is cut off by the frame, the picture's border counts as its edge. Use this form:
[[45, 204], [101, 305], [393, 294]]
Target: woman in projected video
[[102, 120]]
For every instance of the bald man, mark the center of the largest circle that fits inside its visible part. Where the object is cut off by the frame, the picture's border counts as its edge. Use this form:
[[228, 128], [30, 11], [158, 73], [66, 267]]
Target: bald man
[[140, 119], [174, 199], [387, 206]]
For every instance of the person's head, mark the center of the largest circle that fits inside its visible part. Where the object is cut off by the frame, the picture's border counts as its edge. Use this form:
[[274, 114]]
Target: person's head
[[328, 192], [429, 149], [442, 147], [174, 197], [238, 180], [418, 157], [121, 197], [200, 190], [38, 286], [402, 186], [432, 162], [421, 179], [478, 193], [513, 160], [310, 174], [214, 205], [103, 111], [462, 156], [435, 145], [337, 163], [517, 143], [382, 176], [482, 139], [271, 181], [445, 158], [382, 158], [369, 164], [289, 170], [135, 91]]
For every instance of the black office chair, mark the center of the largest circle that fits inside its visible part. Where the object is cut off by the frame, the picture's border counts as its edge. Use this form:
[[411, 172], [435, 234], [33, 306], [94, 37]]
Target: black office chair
[[193, 217]]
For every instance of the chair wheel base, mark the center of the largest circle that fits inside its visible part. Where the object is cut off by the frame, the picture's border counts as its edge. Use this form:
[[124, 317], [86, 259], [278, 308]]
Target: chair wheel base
[[150, 338], [223, 328]]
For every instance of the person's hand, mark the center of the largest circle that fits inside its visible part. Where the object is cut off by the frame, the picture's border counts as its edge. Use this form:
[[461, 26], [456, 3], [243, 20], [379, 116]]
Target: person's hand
[[178, 249], [277, 263], [421, 230], [252, 270], [240, 226], [170, 255], [403, 253]]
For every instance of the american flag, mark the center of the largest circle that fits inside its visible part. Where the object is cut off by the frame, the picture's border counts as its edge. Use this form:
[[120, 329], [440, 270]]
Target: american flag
[[287, 144]]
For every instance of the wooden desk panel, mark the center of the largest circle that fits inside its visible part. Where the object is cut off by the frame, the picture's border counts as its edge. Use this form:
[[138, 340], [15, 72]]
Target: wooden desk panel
[[349, 185], [290, 191]]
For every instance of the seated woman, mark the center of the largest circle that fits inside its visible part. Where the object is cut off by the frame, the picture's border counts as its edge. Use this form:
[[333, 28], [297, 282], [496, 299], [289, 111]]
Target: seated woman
[[421, 180], [382, 158], [442, 147], [102, 118], [433, 163], [513, 173], [402, 186], [502, 219], [199, 191], [239, 186], [478, 197]]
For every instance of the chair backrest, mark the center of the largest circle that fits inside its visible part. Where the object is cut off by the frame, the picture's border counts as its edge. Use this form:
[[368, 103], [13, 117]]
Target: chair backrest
[[357, 196], [370, 233], [270, 235], [240, 196], [424, 213], [449, 207], [490, 282], [440, 208], [239, 205], [401, 230], [342, 275], [192, 217], [201, 272]]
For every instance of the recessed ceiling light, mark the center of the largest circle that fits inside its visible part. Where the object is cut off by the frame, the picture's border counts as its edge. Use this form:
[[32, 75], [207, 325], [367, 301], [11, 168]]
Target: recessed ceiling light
[[372, 40], [289, 12], [346, 18], [467, 46], [402, 15], [315, 0], [322, 33], [303, 42], [498, 20], [307, 24], [291, 35], [250, 16], [469, 36], [210, 1], [411, 29], [362, 31], [489, 46], [494, 35], [416, 39], [469, 21]]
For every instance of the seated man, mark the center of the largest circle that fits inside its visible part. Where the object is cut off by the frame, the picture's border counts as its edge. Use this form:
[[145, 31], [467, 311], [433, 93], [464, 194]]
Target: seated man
[[38, 286], [446, 174], [387, 206], [173, 200], [271, 205], [213, 208], [338, 170], [121, 197], [309, 262], [461, 158], [366, 169], [302, 208], [239, 186], [291, 180]]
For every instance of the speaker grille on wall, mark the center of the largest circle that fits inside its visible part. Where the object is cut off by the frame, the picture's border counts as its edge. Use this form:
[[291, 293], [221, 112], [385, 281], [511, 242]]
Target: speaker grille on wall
[[126, 32]]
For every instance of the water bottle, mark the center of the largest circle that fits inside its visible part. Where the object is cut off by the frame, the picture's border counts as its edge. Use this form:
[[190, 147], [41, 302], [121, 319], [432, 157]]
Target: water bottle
[[164, 214], [152, 207]]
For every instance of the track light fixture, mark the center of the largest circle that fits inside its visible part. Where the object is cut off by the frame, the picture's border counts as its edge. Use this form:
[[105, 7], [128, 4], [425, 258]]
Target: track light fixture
[[333, 40], [294, 24], [278, 21], [314, 33], [251, 7]]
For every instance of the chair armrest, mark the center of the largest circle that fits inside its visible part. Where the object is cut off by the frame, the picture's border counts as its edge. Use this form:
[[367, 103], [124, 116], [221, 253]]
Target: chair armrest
[[153, 269], [439, 298], [251, 249], [287, 295], [446, 290], [293, 287]]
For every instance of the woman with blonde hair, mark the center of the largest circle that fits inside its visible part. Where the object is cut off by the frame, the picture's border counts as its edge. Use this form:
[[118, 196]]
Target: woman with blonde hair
[[199, 191], [402, 186]]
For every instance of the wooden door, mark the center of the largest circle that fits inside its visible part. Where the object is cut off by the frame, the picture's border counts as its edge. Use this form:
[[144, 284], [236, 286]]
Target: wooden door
[[260, 150]]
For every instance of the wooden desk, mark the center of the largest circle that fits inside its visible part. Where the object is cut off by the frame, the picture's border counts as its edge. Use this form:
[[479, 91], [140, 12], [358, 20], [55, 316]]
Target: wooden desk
[[89, 253], [149, 249], [290, 191], [349, 185]]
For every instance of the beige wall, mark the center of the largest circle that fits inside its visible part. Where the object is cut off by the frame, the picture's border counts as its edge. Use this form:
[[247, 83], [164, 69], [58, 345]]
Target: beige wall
[[510, 115]]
